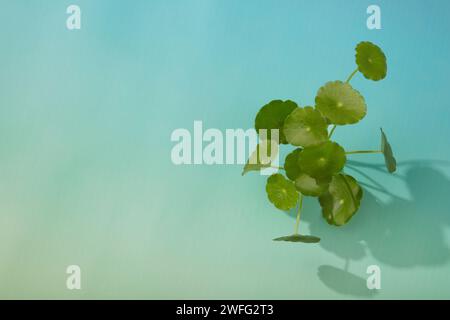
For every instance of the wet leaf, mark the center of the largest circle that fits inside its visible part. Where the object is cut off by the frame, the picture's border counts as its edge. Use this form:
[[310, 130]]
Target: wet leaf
[[340, 103], [341, 201], [281, 192], [305, 127]]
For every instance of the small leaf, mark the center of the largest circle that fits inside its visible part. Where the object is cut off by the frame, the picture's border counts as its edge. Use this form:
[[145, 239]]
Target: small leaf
[[272, 116], [310, 186], [371, 61], [322, 161], [262, 157], [341, 201], [340, 103], [281, 192], [298, 238], [305, 127], [391, 163], [291, 164]]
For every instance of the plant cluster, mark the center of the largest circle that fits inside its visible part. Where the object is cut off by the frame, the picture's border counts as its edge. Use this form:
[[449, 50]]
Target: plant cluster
[[315, 167]]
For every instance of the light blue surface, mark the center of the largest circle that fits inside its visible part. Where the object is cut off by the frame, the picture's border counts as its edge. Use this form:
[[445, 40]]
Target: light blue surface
[[85, 170]]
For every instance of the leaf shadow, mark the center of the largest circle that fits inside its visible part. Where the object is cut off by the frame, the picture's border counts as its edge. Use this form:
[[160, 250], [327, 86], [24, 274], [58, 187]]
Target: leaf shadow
[[344, 282], [402, 233]]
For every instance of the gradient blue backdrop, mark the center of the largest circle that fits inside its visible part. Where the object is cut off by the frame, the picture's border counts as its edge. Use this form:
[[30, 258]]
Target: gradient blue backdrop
[[86, 176]]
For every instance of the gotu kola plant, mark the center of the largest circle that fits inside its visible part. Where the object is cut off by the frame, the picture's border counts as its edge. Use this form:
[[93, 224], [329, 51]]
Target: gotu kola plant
[[314, 167]]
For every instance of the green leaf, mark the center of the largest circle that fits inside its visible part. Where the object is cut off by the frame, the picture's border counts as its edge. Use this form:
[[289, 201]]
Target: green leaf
[[262, 157], [305, 127], [310, 186], [281, 192], [371, 61], [340, 103], [341, 201], [304, 183], [291, 164], [322, 161], [391, 163], [272, 116], [298, 238]]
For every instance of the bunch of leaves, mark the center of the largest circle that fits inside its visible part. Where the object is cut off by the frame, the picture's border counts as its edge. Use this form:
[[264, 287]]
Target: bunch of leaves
[[315, 167]]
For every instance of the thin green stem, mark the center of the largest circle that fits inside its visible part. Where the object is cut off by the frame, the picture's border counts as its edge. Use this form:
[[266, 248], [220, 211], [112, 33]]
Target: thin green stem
[[363, 151], [351, 76], [332, 131], [275, 167], [297, 223]]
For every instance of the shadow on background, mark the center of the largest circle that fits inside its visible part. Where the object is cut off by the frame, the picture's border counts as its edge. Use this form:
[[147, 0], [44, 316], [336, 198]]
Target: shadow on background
[[401, 233], [344, 282]]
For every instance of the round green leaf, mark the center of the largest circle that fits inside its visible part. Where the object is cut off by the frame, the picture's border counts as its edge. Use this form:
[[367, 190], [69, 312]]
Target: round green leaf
[[310, 186], [322, 161], [371, 61], [298, 238], [304, 183], [305, 127], [272, 116], [291, 164], [391, 163], [281, 192], [341, 201], [340, 103]]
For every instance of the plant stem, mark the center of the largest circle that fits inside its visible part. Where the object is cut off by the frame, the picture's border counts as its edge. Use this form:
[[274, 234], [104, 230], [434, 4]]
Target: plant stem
[[275, 167], [363, 151], [332, 131], [351, 76], [297, 223]]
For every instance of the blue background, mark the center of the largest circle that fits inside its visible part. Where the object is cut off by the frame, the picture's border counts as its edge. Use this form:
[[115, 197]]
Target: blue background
[[86, 176]]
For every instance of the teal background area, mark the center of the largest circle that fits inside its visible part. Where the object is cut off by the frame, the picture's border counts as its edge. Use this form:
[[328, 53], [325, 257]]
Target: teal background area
[[86, 176]]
